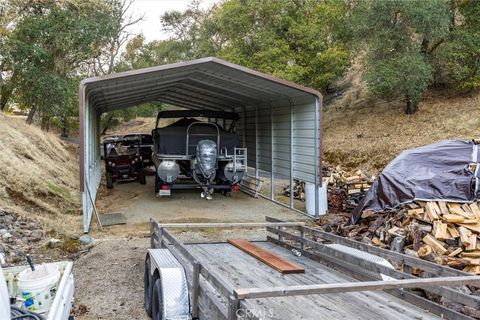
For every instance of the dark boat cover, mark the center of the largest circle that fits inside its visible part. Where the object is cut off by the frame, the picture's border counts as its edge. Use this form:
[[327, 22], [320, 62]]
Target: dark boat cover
[[172, 139], [443, 171]]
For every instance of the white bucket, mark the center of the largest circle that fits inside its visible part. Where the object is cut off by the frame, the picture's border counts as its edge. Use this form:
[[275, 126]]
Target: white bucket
[[322, 198], [37, 288], [4, 297]]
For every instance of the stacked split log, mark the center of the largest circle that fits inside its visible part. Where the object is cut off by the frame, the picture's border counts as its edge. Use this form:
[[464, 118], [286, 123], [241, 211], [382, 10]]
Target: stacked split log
[[441, 232], [454, 235], [298, 190]]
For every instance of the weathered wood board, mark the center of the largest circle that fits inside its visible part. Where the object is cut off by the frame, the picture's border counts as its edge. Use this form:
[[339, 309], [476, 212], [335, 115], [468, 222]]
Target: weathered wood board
[[270, 259]]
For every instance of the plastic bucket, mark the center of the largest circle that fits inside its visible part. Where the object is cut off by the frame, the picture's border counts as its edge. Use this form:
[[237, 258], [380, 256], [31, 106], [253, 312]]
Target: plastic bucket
[[322, 198], [4, 297], [37, 288]]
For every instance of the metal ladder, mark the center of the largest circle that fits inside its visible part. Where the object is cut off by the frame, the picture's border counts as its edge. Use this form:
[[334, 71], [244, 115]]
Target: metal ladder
[[240, 158]]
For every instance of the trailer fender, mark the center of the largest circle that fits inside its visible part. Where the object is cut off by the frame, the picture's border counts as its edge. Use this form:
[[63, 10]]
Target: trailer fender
[[174, 295]]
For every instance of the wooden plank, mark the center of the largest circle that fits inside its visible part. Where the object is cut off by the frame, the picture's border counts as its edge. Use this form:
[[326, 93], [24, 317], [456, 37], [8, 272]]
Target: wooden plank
[[472, 227], [270, 259], [256, 293], [440, 230], [431, 211], [473, 243], [416, 212], [475, 210], [436, 245], [453, 232], [464, 235], [453, 218], [456, 208], [455, 252], [230, 225], [195, 288], [472, 254], [443, 207]]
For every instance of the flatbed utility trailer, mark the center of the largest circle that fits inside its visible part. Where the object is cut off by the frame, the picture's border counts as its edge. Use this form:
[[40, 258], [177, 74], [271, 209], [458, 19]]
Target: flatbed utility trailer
[[343, 279]]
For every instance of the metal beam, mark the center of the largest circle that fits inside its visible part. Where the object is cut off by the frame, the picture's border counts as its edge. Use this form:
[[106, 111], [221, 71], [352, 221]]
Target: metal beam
[[317, 205], [256, 142], [292, 111], [246, 225], [272, 158]]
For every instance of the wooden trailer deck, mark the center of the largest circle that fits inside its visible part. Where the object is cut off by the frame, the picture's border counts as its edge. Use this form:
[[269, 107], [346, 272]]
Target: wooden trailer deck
[[340, 280], [243, 271]]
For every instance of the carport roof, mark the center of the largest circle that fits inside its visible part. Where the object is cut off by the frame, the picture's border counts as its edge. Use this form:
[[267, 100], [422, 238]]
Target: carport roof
[[207, 83]]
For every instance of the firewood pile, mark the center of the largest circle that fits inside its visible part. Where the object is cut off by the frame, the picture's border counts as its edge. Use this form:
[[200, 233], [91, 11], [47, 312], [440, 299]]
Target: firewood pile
[[298, 190], [358, 183], [441, 232], [344, 190]]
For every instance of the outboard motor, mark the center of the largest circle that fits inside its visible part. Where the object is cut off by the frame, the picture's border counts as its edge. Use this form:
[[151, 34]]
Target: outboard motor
[[205, 166]]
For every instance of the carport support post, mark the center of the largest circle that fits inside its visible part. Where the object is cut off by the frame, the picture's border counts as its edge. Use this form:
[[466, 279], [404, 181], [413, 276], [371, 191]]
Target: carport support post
[[244, 120], [272, 158], [317, 206], [291, 153], [195, 288], [256, 142]]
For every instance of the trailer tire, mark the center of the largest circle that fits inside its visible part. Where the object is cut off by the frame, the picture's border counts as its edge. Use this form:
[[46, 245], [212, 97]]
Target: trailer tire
[[157, 301], [141, 177], [109, 180], [148, 287]]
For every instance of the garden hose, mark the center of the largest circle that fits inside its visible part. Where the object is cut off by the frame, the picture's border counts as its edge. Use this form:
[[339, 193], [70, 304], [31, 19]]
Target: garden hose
[[18, 313]]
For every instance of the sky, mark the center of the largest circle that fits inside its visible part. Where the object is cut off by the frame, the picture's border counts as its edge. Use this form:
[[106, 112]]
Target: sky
[[150, 27]]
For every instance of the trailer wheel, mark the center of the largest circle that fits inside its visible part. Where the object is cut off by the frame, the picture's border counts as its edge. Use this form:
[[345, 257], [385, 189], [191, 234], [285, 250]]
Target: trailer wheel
[[148, 287], [157, 301], [109, 180], [141, 177]]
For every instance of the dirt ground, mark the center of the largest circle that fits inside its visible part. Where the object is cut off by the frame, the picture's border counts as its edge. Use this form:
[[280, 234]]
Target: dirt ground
[[109, 278]]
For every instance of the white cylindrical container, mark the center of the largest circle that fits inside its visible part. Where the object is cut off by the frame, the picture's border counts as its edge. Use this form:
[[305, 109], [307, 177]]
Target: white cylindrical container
[[322, 198], [4, 298], [37, 288]]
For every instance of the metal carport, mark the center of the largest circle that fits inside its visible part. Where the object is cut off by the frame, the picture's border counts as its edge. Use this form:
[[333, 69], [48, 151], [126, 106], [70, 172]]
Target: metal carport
[[280, 121]]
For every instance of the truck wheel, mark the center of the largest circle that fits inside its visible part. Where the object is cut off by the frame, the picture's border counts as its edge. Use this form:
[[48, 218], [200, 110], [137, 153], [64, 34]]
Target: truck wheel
[[157, 301], [141, 177], [109, 180], [147, 283]]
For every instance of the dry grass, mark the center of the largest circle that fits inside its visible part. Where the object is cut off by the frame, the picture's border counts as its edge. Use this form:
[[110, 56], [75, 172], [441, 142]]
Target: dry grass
[[139, 125], [39, 176], [361, 132]]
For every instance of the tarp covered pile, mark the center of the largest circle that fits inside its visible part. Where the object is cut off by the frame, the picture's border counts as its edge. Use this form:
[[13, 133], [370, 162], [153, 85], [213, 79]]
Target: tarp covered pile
[[445, 171]]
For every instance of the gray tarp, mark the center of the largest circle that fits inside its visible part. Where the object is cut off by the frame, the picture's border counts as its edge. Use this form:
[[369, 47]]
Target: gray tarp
[[436, 172]]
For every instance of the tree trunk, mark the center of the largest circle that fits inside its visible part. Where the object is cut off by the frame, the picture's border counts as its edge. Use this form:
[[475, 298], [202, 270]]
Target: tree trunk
[[45, 123], [65, 126], [412, 106], [31, 114], [64, 132], [108, 124], [5, 94]]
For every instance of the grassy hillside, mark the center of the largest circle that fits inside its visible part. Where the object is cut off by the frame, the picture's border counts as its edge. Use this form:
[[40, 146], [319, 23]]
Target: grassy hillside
[[38, 176], [362, 132]]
